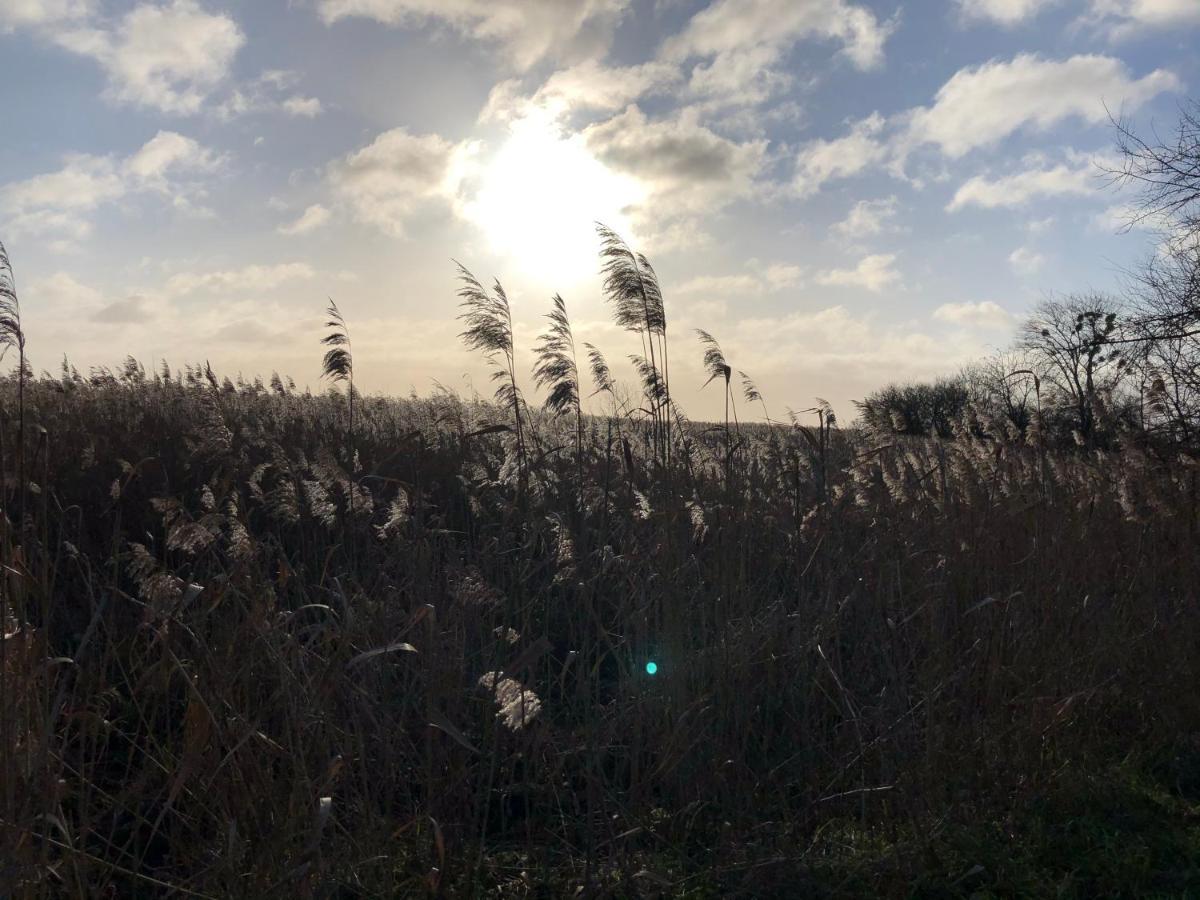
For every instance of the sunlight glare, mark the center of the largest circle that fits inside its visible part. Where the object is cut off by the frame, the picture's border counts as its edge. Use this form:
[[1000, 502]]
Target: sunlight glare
[[540, 198]]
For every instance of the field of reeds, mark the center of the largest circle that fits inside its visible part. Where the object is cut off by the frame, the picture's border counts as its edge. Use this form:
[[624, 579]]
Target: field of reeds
[[265, 643]]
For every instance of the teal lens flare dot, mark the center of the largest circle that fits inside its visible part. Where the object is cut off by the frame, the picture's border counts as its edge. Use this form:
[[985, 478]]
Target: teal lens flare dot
[[651, 668]]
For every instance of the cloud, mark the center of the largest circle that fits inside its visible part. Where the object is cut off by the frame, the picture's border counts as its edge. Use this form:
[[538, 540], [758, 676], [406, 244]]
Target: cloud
[[271, 91], [396, 175], [766, 279], [822, 160], [1026, 261], [14, 13], [589, 85], [526, 30], [1005, 12], [62, 201], [867, 218], [249, 279], [310, 220], [727, 28], [685, 169], [981, 105], [123, 312], [306, 107], [61, 289], [1020, 188], [167, 57], [720, 284], [1122, 18], [743, 77], [984, 314], [874, 273], [782, 275]]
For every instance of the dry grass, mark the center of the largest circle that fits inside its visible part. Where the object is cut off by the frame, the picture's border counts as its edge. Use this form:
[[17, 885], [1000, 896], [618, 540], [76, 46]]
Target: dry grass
[[234, 668]]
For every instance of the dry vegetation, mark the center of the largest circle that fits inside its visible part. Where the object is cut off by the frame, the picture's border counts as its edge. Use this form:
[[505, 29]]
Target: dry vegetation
[[263, 643]]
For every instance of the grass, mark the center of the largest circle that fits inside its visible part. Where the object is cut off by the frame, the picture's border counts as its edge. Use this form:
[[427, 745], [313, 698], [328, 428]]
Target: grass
[[236, 669], [256, 647]]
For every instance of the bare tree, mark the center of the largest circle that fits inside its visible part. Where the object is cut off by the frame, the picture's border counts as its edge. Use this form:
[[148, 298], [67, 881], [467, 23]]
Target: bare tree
[[991, 386], [1069, 341], [1165, 171], [1164, 326]]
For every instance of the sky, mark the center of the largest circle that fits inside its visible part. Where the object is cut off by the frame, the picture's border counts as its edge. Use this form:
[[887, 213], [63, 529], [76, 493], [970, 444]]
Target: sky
[[844, 193]]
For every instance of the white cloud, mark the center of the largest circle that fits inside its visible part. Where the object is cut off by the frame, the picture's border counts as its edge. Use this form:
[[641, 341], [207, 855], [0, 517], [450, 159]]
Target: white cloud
[[1124, 17], [62, 290], [1005, 12], [14, 13], [269, 92], [720, 284], [307, 107], [167, 152], [822, 160], [397, 174], [310, 220], [783, 275], [874, 273], [979, 107], [61, 202], [984, 314], [589, 85], [741, 26], [684, 168], [867, 218], [527, 30], [249, 279], [745, 77], [764, 280], [1026, 261], [167, 57], [1018, 189], [982, 105]]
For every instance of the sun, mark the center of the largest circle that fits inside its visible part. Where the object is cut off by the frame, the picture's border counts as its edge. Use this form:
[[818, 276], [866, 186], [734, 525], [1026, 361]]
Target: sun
[[540, 196]]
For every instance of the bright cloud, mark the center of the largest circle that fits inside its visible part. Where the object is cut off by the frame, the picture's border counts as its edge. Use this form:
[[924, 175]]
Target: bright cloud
[[250, 279], [1006, 12], [822, 160], [982, 105], [590, 85], [684, 169], [169, 57], [1019, 189], [526, 30], [984, 314], [1124, 17], [873, 273], [310, 220], [60, 203], [396, 175], [14, 13], [730, 27], [868, 218], [1026, 261], [767, 279], [306, 107]]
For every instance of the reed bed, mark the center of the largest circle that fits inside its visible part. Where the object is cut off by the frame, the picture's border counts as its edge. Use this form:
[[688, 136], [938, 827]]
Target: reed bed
[[245, 655]]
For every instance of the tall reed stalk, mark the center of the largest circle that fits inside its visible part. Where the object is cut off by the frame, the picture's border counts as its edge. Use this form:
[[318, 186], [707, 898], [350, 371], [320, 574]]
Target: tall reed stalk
[[489, 329]]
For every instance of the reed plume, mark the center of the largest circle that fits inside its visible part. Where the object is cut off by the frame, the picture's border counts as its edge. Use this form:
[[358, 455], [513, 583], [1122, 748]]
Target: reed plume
[[631, 286], [752, 394], [488, 317], [12, 335], [557, 368], [339, 366]]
